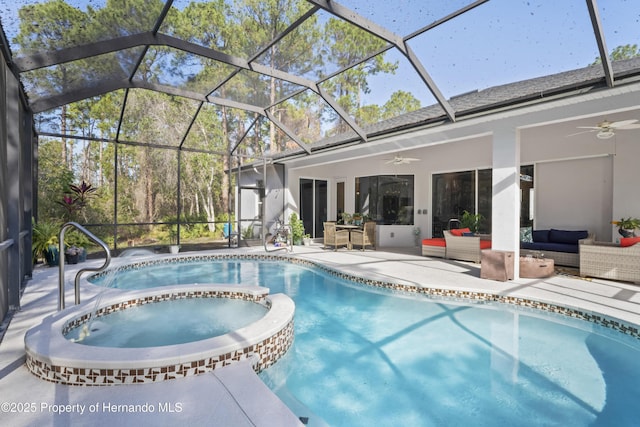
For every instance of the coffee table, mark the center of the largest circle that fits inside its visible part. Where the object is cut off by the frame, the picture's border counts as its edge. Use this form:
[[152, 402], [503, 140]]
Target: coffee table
[[533, 268]]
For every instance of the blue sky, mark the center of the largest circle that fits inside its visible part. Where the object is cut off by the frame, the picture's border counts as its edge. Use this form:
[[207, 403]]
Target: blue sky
[[503, 41], [499, 42]]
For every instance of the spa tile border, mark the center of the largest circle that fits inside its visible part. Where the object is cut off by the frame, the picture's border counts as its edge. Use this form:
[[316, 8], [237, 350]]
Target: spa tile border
[[169, 296], [262, 355], [450, 294]]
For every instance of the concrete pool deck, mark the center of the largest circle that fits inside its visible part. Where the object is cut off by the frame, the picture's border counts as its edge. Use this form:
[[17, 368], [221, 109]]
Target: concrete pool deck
[[235, 396]]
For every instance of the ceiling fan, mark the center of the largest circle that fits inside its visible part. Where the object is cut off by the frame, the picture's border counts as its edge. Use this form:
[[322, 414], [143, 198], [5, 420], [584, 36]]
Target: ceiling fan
[[606, 129], [399, 160]]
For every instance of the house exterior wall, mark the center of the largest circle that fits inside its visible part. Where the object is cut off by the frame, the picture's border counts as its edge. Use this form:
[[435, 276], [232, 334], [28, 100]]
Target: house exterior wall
[[575, 195], [580, 182]]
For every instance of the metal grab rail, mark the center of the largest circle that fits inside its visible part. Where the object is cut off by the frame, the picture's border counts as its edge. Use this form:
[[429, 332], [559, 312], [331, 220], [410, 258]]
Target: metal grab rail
[[96, 240]]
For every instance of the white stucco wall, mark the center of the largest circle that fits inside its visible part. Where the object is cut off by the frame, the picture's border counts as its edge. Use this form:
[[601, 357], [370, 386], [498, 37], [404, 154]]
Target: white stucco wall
[[575, 195], [580, 182]]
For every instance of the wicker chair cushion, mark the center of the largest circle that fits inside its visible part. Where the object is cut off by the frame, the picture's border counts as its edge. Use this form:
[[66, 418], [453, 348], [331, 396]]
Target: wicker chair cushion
[[485, 244], [436, 241]]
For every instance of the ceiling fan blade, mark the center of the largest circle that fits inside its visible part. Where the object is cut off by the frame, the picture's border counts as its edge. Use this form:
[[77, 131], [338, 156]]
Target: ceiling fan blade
[[627, 127], [589, 127], [580, 133], [621, 124]]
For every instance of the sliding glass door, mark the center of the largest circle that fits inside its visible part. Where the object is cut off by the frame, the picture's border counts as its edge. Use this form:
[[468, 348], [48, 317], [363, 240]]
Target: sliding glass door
[[456, 192], [313, 206]]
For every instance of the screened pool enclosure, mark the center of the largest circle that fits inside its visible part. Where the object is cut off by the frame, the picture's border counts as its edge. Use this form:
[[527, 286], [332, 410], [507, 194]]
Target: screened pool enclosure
[[178, 118]]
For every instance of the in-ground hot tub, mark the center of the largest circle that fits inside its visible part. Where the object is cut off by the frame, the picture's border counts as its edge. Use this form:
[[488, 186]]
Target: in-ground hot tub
[[53, 357]]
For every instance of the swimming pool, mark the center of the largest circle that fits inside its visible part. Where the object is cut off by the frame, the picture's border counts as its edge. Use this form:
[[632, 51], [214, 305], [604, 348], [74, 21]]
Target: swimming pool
[[365, 356]]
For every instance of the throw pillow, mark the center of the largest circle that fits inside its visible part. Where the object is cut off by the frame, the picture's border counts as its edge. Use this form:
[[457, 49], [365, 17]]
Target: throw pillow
[[525, 235], [629, 241], [459, 231]]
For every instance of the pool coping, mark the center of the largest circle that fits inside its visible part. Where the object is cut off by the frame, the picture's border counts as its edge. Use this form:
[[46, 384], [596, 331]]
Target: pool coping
[[52, 357]]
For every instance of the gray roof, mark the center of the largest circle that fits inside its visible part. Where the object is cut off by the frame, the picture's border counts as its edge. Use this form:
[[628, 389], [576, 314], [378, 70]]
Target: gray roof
[[486, 101]]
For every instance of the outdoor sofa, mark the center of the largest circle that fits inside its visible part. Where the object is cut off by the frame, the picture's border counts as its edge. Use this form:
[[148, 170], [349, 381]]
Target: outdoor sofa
[[615, 261], [563, 246]]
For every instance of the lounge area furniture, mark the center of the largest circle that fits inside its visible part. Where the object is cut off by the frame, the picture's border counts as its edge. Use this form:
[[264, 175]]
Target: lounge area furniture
[[462, 245], [435, 247], [365, 236], [560, 245], [334, 237], [611, 260], [452, 246]]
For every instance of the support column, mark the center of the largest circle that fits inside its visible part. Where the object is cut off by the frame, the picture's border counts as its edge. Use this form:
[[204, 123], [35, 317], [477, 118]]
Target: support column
[[14, 201], [505, 213]]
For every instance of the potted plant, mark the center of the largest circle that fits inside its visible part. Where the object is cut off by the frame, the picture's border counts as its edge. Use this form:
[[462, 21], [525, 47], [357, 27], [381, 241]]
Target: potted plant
[[72, 254], [297, 229], [306, 239], [45, 242], [346, 218], [357, 218], [79, 241], [471, 221], [627, 226]]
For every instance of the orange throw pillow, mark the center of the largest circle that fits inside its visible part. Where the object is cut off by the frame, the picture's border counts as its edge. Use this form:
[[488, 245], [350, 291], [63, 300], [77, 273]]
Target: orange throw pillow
[[458, 232], [629, 241]]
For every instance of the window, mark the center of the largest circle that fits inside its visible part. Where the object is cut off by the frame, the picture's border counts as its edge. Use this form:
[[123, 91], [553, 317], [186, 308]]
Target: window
[[386, 199]]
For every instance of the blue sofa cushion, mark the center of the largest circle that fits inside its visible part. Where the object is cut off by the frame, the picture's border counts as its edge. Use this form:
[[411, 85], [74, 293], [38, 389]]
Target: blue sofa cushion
[[554, 247], [566, 236], [540, 236]]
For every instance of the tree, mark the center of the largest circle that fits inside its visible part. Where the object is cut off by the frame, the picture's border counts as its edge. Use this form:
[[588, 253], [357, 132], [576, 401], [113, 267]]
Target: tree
[[348, 45], [626, 51], [400, 102]]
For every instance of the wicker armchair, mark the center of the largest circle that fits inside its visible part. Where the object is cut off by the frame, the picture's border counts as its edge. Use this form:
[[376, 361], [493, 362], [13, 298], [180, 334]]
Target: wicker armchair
[[366, 236], [610, 261], [465, 248], [334, 237]]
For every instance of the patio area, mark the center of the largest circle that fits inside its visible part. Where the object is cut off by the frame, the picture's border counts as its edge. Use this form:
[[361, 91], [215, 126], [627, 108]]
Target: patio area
[[235, 396]]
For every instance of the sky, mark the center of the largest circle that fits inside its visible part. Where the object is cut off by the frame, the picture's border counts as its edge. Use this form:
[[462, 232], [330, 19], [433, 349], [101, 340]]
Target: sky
[[498, 42]]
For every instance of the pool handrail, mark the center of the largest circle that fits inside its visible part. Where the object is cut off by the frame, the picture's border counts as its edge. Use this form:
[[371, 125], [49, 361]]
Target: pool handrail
[[61, 250]]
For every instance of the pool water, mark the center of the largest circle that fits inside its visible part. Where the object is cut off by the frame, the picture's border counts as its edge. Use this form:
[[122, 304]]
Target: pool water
[[168, 322], [367, 357]]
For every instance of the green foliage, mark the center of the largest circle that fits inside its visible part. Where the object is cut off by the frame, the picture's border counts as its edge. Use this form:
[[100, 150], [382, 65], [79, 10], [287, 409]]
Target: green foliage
[[75, 238], [627, 223], [297, 228], [626, 51], [147, 179], [471, 221], [45, 234]]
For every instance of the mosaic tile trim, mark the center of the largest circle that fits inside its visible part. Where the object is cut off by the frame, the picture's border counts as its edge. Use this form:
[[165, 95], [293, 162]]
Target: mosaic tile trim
[[266, 352], [451, 294], [260, 298]]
